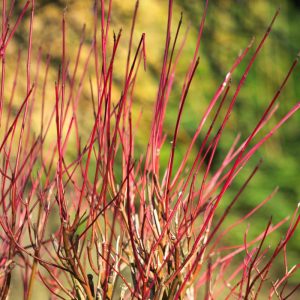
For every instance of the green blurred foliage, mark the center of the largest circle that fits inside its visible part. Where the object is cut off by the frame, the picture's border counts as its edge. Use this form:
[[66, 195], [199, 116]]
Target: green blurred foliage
[[229, 27]]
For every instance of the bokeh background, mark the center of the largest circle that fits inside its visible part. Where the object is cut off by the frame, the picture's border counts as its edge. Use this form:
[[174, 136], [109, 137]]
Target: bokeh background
[[230, 26]]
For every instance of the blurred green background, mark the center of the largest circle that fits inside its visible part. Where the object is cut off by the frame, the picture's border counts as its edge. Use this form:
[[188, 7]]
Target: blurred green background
[[230, 26]]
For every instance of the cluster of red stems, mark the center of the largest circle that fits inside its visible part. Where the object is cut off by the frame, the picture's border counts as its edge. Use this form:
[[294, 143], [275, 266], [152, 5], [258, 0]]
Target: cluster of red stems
[[149, 233]]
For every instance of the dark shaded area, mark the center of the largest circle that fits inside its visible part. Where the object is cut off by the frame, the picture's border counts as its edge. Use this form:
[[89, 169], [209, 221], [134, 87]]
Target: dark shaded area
[[296, 3]]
